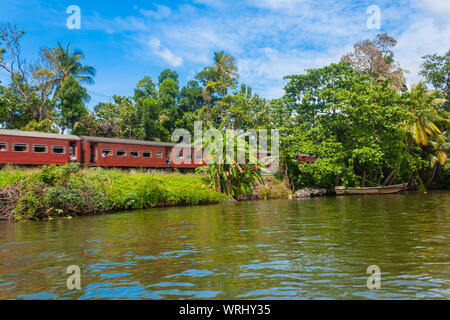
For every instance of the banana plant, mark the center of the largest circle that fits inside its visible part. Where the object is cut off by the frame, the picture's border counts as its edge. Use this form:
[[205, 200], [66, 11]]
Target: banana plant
[[221, 168]]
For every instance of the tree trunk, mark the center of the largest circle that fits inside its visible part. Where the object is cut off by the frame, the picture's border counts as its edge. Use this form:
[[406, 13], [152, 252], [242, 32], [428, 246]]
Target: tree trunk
[[218, 184], [390, 177], [286, 178], [363, 180], [431, 177]]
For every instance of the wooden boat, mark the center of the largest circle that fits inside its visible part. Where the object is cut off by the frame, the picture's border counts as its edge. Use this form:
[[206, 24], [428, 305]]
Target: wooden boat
[[370, 190]]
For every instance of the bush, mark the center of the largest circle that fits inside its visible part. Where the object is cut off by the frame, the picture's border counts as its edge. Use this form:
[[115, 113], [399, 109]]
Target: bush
[[273, 189], [69, 190], [9, 176]]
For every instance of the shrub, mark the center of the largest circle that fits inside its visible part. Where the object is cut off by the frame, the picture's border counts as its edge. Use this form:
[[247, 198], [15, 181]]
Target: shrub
[[273, 189], [9, 178], [70, 190]]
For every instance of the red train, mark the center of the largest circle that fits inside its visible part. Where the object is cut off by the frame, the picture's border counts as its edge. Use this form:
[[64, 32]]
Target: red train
[[37, 148], [306, 158]]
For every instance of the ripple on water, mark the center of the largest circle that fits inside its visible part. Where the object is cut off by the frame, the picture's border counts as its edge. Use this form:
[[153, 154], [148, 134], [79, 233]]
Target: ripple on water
[[191, 294], [277, 265], [118, 290], [105, 265], [115, 275], [37, 296], [191, 273], [172, 284]]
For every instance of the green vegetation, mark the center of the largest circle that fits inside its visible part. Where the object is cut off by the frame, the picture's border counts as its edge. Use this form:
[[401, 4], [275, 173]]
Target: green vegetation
[[222, 170], [364, 132], [272, 188], [70, 191]]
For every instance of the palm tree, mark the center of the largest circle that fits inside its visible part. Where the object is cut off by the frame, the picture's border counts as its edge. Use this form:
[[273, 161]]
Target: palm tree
[[63, 63], [426, 114], [439, 152], [225, 66], [424, 130], [226, 70]]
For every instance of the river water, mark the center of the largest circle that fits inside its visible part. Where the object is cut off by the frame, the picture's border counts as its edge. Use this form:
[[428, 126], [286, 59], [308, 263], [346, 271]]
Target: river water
[[301, 249]]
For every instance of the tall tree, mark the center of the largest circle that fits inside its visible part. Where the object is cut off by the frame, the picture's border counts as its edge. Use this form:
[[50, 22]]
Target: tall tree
[[350, 124], [63, 64], [427, 128], [145, 88], [167, 73], [191, 98], [219, 78], [424, 105], [436, 70], [71, 98], [35, 90], [375, 58]]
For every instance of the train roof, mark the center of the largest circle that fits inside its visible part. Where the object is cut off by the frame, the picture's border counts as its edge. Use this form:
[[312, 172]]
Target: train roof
[[35, 134], [130, 141]]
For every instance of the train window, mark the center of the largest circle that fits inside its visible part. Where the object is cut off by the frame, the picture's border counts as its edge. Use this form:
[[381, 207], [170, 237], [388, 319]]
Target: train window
[[147, 154], [20, 147], [199, 156], [3, 147], [121, 153], [40, 148], [134, 153], [107, 152], [180, 155], [189, 156], [159, 154], [58, 149]]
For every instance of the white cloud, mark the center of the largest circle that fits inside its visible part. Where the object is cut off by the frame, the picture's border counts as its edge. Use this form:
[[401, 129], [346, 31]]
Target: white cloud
[[440, 9], [275, 4], [161, 12], [210, 3], [155, 46], [423, 37], [115, 25], [266, 72]]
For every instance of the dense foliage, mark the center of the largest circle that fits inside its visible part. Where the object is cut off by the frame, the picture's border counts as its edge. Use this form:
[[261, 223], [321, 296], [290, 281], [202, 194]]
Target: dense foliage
[[69, 191], [222, 170], [364, 132]]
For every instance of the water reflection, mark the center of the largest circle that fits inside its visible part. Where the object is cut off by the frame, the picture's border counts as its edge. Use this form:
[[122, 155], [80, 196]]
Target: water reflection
[[306, 249]]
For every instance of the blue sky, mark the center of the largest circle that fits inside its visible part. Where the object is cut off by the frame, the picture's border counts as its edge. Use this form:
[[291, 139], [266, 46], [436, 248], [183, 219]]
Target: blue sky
[[127, 40]]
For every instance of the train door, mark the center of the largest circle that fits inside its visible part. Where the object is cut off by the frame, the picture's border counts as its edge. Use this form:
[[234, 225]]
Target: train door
[[93, 152], [167, 157], [73, 152]]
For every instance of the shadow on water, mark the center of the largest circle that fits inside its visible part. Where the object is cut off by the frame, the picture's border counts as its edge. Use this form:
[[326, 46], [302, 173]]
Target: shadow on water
[[301, 249]]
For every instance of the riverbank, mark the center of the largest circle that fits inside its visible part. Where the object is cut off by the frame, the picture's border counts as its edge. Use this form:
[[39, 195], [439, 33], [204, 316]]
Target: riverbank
[[63, 191], [36, 194]]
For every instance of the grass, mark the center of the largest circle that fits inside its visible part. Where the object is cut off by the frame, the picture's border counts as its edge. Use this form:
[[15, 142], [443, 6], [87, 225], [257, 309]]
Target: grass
[[11, 175], [70, 190]]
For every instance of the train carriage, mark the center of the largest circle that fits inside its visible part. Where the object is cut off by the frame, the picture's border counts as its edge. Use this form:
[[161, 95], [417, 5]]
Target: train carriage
[[112, 152], [306, 158], [35, 148]]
